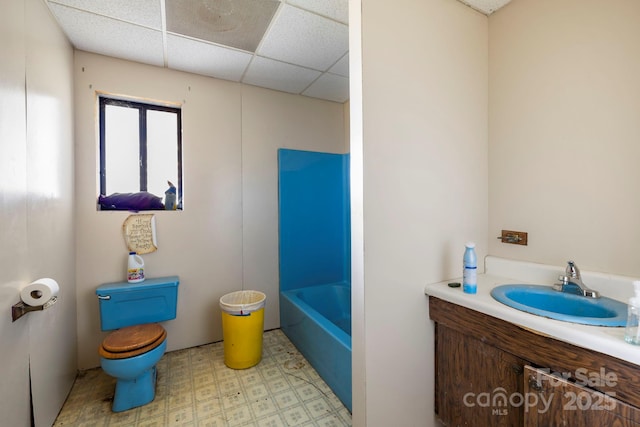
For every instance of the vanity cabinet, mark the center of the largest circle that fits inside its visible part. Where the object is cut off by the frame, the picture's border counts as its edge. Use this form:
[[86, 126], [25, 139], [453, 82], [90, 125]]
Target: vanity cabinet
[[490, 372], [470, 376], [559, 402]]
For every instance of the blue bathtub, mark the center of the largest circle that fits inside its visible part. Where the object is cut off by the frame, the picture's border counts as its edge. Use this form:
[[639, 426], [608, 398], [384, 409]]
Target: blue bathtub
[[317, 320]]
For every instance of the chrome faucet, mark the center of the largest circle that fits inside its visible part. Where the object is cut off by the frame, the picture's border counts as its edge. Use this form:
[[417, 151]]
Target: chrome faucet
[[572, 282]]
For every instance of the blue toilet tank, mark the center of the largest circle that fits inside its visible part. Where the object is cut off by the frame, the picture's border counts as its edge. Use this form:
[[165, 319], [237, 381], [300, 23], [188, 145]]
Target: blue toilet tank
[[126, 304]]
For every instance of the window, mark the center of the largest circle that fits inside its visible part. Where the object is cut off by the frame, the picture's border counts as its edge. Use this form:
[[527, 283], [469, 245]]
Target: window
[[140, 156]]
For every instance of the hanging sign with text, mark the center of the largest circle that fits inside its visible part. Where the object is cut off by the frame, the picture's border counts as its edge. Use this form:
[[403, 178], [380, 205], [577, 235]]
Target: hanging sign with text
[[140, 233]]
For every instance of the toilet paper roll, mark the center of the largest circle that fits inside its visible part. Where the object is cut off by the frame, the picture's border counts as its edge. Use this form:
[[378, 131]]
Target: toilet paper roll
[[39, 292]]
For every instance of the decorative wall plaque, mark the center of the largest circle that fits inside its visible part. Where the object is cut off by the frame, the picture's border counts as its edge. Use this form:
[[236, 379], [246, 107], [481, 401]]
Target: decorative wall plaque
[[140, 233]]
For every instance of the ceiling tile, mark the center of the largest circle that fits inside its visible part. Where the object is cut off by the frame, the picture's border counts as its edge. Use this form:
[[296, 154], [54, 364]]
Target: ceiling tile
[[303, 38], [238, 23], [141, 12], [485, 6], [110, 37], [341, 67], [278, 75], [205, 58], [334, 9], [330, 87]]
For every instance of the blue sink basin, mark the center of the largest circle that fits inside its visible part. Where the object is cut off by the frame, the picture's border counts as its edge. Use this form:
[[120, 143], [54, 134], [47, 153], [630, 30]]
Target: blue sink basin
[[546, 301]]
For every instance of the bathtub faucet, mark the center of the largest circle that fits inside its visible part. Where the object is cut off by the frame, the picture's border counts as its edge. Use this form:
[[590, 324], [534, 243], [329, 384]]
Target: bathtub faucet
[[572, 282]]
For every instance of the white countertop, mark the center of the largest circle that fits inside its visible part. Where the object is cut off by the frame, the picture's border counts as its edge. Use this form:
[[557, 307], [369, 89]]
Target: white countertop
[[607, 340]]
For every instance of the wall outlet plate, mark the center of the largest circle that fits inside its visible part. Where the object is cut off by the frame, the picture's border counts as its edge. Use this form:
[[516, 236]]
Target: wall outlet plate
[[514, 237]]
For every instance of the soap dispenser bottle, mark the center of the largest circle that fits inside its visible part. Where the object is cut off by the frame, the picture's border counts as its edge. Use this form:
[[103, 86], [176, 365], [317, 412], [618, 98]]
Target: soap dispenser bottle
[[469, 269], [632, 333]]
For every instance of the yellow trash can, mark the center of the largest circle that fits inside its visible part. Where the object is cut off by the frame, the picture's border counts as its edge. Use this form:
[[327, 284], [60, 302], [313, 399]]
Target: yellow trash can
[[242, 326]]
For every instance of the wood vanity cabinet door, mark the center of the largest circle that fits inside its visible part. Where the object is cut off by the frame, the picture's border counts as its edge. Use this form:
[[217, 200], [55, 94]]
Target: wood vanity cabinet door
[[474, 381], [553, 401]]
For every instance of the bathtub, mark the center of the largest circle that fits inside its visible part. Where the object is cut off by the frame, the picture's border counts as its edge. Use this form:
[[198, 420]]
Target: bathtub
[[317, 320]]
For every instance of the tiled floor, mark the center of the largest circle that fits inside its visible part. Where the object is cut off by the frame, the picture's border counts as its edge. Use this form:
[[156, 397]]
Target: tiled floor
[[195, 388]]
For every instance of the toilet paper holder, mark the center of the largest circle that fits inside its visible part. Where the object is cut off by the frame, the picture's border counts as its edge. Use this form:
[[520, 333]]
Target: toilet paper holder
[[20, 309]]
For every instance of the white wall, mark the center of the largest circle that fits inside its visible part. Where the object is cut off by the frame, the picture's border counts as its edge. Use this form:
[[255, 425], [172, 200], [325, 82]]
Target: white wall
[[535, 111], [358, 366], [565, 131], [272, 120], [226, 237], [36, 211], [424, 192]]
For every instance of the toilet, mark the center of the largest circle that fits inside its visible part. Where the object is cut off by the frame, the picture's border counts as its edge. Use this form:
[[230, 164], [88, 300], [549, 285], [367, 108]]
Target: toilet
[[130, 353]]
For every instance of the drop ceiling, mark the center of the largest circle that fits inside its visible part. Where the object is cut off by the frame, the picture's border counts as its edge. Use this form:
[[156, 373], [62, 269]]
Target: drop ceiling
[[486, 7], [294, 46]]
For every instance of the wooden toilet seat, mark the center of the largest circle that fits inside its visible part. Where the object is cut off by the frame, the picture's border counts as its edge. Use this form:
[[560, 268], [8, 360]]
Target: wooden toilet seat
[[132, 341]]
